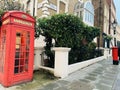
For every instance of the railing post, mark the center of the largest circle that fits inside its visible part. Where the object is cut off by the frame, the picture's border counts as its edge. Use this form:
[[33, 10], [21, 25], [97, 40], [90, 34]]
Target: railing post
[[106, 52], [38, 57], [61, 61]]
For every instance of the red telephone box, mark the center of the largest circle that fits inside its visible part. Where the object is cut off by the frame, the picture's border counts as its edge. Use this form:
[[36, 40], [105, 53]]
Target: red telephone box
[[115, 55], [16, 48]]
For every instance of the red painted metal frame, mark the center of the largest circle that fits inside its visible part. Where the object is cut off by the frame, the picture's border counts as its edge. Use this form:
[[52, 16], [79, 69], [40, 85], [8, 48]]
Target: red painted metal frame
[[12, 22]]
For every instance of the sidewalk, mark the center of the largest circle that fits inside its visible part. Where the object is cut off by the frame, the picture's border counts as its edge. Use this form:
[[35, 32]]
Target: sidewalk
[[99, 76]]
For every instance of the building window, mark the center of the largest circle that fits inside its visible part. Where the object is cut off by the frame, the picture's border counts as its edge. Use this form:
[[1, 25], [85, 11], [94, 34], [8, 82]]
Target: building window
[[86, 9], [78, 9], [89, 13], [28, 6], [62, 7]]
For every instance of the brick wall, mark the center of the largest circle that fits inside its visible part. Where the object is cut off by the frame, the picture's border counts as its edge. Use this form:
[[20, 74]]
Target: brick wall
[[71, 6]]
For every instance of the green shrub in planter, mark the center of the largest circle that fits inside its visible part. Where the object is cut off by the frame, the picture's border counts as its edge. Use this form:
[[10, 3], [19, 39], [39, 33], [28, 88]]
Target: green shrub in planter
[[68, 31]]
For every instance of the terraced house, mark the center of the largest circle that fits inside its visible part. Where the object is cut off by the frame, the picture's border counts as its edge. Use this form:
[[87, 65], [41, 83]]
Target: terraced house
[[44, 8]]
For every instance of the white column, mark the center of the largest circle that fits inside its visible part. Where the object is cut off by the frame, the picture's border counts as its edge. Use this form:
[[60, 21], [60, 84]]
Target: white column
[[106, 52], [61, 61], [37, 57]]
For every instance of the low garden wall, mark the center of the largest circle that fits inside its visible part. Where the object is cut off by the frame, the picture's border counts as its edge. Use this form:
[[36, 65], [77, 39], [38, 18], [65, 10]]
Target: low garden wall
[[77, 66], [61, 67]]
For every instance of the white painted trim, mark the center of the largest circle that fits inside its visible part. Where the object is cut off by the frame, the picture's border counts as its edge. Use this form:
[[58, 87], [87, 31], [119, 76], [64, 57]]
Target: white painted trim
[[62, 69], [37, 57], [47, 68], [36, 7], [45, 9], [46, 13], [77, 66], [62, 49], [84, 15]]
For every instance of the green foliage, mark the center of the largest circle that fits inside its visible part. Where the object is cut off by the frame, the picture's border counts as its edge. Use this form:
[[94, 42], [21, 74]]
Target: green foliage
[[89, 33], [1, 12], [69, 31], [64, 29], [43, 29], [9, 5], [107, 37]]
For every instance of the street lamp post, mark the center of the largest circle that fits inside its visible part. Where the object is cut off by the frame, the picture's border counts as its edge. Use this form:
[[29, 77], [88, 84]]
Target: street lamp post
[[114, 24], [99, 24], [115, 48]]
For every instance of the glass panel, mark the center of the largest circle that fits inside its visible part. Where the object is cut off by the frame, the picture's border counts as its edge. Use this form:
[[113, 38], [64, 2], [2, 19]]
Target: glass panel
[[16, 70], [26, 67], [28, 43], [17, 54], [62, 7], [16, 62], [26, 61], [21, 69], [21, 61], [22, 52], [27, 55]]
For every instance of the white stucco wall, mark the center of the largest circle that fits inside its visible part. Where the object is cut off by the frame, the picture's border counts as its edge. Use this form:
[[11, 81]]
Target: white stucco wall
[[39, 42]]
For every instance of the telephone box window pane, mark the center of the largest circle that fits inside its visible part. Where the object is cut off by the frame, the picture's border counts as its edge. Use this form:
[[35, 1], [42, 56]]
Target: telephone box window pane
[[27, 55], [22, 55], [17, 55], [21, 61], [21, 69], [16, 62], [28, 43], [26, 67], [28, 35], [18, 34], [26, 61], [16, 70]]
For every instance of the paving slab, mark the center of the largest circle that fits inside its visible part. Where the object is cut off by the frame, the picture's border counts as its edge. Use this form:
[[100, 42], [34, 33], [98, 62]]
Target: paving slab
[[101, 86], [62, 88], [50, 86]]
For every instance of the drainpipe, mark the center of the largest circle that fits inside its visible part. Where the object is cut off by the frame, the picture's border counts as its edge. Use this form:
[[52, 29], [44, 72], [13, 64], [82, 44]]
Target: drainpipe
[[33, 8], [109, 18], [99, 24]]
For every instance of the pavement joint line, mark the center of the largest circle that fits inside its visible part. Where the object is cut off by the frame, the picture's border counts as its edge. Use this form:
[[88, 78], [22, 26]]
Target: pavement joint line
[[106, 85]]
